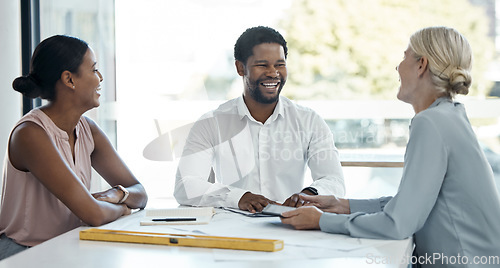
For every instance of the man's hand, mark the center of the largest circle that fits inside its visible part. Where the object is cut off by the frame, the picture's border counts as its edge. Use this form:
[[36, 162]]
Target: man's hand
[[302, 218], [328, 203], [295, 200], [253, 202]]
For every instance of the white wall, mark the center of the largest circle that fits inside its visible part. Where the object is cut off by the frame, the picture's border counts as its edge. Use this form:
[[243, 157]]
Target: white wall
[[10, 68]]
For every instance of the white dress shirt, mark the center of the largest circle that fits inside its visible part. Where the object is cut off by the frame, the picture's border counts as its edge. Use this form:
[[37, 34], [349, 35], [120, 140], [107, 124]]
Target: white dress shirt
[[268, 159]]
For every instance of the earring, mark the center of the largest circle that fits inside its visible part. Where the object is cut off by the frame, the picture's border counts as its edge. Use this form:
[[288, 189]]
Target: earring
[[73, 86]]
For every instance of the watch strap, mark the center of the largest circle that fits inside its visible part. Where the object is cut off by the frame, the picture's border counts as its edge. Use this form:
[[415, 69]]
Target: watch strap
[[311, 189]]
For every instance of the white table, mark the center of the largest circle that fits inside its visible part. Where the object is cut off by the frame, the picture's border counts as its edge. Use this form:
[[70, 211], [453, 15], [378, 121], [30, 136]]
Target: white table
[[302, 248]]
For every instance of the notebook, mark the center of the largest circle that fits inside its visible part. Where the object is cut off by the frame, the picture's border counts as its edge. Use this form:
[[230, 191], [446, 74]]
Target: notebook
[[178, 216]]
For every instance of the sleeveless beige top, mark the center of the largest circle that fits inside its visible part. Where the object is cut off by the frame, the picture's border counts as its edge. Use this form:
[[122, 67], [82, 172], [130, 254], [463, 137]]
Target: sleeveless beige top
[[30, 214]]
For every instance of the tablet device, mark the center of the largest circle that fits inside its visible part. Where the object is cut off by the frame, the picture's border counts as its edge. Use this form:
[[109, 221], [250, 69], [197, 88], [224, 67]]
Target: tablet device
[[276, 210]]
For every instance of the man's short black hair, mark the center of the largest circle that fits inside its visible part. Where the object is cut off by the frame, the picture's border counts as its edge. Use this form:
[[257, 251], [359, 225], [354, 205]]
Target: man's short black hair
[[256, 36]]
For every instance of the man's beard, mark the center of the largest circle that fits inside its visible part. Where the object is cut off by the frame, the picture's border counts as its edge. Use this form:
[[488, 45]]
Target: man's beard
[[257, 95]]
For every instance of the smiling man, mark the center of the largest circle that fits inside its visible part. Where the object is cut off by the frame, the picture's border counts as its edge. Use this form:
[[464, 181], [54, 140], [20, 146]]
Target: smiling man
[[253, 150]]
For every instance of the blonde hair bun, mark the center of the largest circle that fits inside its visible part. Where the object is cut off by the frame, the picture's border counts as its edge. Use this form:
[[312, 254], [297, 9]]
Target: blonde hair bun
[[460, 81], [449, 55]]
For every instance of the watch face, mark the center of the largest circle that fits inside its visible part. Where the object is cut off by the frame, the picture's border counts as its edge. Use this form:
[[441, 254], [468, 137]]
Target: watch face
[[312, 190]]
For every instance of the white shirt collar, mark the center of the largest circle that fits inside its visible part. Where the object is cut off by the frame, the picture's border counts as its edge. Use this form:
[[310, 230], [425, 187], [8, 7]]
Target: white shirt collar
[[243, 110]]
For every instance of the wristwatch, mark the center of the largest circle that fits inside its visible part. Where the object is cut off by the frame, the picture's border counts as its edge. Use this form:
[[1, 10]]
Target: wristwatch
[[125, 192], [312, 190]]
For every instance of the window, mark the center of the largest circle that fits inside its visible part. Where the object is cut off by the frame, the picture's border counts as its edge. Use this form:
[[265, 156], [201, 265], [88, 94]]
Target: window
[[174, 62]]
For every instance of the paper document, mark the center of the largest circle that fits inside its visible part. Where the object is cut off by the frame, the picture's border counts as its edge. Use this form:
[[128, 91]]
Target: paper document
[[246, 213], [178, 216]]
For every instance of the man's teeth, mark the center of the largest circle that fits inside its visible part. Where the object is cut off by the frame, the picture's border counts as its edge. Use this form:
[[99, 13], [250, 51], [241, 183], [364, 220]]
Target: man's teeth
[[270, 85]]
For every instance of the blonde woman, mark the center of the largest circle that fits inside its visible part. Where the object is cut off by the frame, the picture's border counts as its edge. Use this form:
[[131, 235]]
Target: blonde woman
[[447, 198]]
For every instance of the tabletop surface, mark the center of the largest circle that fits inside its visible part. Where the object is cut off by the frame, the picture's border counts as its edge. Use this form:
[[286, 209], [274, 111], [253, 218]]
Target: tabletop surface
[[311, 247]]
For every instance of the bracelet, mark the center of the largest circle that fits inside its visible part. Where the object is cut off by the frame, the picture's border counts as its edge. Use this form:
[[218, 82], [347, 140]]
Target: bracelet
[[125, 193], [311, 189]]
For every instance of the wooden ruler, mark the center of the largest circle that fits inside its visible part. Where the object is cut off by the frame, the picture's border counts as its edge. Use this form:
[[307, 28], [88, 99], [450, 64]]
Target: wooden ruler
[[182, 240]]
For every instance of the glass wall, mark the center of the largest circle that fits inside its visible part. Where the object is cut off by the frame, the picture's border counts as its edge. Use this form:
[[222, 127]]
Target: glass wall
[[10, 68], [174, 62]]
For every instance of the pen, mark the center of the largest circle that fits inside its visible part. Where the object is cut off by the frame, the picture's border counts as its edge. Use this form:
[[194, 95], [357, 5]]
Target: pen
[[175, 219]]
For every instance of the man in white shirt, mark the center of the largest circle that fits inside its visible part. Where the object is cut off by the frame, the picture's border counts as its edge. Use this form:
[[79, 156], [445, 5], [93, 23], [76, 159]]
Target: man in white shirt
[[253, 150]]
